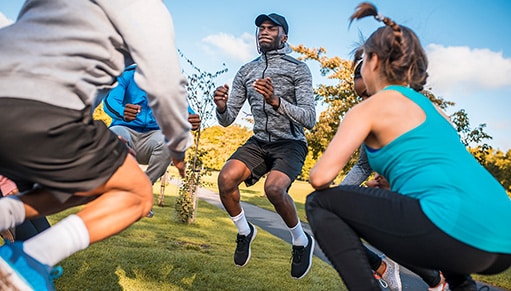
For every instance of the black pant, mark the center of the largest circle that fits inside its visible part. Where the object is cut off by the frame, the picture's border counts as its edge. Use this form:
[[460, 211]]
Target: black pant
[[395, 224], [30, 228]]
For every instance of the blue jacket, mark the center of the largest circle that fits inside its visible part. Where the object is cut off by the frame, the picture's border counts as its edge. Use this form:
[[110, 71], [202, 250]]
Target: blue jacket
[[127, 92]]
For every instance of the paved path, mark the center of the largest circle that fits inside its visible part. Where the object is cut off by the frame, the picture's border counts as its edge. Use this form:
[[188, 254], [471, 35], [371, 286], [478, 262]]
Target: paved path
[[272, 223]]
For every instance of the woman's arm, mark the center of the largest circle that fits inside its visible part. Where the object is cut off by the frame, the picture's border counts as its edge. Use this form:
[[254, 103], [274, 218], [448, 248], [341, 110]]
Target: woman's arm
[[352, 131]]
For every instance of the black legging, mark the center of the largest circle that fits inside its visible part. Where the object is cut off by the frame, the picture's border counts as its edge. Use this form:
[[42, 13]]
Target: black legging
[[395, 224]]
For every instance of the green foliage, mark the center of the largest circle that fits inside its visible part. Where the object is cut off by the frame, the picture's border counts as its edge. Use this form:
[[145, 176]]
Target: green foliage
[[200, 90], [99, 114], [472, 136], [184, 206], [497, 163], [307, 166], [339, 97], [186, 201], [200, 94], [220, 142]]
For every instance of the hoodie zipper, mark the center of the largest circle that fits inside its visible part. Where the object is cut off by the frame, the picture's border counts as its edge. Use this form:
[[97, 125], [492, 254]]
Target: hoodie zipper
[[264, 101]]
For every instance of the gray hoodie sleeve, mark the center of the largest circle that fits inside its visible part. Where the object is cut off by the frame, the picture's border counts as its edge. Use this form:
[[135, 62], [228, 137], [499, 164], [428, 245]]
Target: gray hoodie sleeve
[[304, 111], [236, 99], [360, 171]]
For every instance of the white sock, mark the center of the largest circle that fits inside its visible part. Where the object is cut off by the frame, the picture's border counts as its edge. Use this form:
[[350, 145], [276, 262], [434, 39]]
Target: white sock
[[12, 212], [298, 237], [241, 223], [58, 242]]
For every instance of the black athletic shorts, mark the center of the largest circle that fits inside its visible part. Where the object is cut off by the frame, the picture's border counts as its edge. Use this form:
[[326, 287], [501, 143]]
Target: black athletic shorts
[[62, 150], [286, 156]]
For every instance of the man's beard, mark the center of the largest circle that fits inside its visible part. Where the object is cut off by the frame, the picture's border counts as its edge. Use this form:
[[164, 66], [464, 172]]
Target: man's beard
[[266, 47]]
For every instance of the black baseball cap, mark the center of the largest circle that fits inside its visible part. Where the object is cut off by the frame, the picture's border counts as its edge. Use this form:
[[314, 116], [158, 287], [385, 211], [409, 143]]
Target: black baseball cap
[[273, 17]]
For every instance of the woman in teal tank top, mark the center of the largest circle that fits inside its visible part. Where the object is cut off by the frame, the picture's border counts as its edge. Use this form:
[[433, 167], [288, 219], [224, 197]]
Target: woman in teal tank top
[[431, 217]]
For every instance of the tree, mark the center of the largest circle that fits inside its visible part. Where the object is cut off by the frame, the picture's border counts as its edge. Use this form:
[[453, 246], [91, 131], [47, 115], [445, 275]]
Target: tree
[[340, 97], [472, 136], [498, 164], [220, 142], [200, 94], [99, 114]]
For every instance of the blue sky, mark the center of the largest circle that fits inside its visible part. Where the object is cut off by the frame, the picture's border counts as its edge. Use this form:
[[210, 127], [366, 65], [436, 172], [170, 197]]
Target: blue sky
[[468, 43]]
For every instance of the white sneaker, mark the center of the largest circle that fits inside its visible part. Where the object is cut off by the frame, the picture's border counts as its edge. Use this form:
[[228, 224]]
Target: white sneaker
[[391, 275], [442, 286]]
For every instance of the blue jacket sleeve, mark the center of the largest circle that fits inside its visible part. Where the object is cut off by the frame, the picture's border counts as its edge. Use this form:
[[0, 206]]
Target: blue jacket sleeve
[[113, 105], [190, 110]]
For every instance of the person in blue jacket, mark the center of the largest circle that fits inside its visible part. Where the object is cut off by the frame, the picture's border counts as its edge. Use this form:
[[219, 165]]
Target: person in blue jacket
[[133, 122]]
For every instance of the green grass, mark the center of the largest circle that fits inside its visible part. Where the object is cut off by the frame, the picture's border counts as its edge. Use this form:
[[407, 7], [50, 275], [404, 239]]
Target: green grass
[[299, 191], [160, 254]]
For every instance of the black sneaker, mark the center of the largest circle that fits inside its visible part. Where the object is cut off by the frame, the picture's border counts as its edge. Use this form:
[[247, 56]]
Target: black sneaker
[[243, 242], [468, 285], [302, 259]]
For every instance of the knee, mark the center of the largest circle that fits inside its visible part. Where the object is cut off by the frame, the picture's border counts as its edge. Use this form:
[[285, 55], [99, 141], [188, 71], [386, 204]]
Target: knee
[[226, 183], [275, 193], [144, 191], [160, 149]]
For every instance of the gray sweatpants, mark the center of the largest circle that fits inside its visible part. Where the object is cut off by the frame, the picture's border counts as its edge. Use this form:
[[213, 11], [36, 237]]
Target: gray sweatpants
[[149, 147]]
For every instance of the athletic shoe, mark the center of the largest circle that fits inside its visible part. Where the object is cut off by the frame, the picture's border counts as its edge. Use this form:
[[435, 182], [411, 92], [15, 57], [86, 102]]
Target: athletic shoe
[[380, 280], [302, 259], [468, 285], [150, 214], [442, 286], [19, 271], [391, 275], [243, 242]]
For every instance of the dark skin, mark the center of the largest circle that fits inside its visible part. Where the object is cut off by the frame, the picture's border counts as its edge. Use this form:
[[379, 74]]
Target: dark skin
[[130, 114], [270, 37], [234, 172], [195, 120], [131, 111]]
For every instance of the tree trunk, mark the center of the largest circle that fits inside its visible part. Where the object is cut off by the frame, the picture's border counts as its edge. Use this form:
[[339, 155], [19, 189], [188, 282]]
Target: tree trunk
[[163, 183]]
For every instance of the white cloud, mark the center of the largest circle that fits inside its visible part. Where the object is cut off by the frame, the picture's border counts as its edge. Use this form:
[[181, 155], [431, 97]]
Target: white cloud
[[472, 69], [241, 48], [4, 21], [477, 80]]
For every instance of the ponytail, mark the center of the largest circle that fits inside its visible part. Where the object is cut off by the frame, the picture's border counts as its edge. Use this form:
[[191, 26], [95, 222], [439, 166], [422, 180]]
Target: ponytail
[[398, 48]]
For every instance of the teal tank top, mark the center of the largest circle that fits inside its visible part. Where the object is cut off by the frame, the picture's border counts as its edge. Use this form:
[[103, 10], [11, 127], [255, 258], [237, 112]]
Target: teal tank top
[[456, 193]]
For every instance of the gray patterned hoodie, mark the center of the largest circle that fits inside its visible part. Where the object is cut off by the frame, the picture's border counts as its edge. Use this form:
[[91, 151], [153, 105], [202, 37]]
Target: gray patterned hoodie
[[292, 82]]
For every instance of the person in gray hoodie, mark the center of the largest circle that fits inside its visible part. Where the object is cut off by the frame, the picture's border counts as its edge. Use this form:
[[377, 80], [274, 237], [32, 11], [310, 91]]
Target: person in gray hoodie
[[279, 90], [57, 61]]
